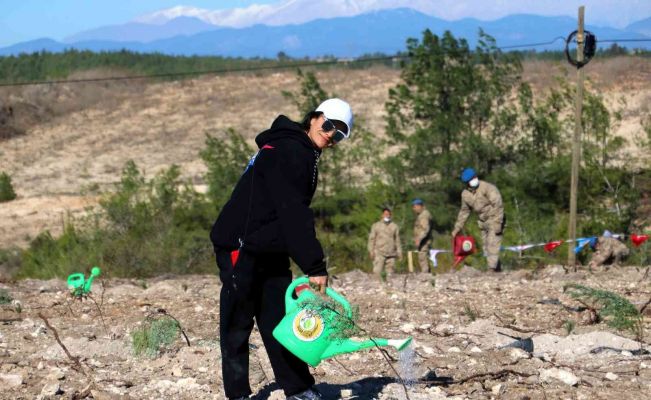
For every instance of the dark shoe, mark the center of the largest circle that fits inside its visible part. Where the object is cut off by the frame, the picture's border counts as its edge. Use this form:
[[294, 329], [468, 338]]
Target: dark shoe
[[240, 398], [309, 394]]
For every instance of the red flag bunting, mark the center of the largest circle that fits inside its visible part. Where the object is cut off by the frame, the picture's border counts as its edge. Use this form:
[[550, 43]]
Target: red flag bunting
[[549, 247], [638, 239]]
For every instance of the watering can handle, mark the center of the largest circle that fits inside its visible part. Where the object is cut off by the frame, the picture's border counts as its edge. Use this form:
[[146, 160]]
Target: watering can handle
[[291, 303], [76, 280]]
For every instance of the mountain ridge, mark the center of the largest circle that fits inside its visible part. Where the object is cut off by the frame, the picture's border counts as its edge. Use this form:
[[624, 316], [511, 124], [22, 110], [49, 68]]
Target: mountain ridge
[[383, 31]]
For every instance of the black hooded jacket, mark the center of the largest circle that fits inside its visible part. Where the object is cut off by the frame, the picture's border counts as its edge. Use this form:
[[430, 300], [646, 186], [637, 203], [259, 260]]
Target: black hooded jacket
[[269, 208]]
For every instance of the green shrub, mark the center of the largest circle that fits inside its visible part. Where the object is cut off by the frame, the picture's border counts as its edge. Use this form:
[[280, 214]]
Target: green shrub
[[618, 312], [145, 228], [154, 335], [6, 189], [5, 297], [569, 326]]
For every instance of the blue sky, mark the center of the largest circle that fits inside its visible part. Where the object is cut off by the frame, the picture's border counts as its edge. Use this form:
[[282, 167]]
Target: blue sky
[[22, 20]]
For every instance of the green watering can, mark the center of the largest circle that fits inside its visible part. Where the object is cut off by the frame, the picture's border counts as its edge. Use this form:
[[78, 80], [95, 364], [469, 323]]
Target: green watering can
[[80, 286], [306, 333]]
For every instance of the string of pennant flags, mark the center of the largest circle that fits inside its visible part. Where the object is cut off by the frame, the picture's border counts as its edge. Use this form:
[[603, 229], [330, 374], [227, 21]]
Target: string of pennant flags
[[549, 247]]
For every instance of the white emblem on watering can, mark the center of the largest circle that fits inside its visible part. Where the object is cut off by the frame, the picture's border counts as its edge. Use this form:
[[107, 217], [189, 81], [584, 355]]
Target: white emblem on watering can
[[467, 245], [308, 325]]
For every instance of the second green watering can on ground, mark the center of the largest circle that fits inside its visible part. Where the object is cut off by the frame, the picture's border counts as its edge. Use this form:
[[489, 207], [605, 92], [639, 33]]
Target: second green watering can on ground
[[308, 331]]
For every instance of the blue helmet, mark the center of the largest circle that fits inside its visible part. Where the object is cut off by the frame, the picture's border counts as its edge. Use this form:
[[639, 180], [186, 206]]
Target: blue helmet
[[416, 202], [467, 175]]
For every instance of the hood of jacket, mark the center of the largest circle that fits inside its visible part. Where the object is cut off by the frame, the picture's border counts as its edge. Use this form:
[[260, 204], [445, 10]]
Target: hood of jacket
[[284, 128]]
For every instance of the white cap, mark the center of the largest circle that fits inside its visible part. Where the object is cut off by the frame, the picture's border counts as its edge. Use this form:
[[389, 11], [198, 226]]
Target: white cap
[[339, 110]]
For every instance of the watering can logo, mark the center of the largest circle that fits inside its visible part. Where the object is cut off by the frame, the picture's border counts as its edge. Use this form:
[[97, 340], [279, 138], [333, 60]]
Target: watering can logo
[[466, 245], [308, 325], [310, 332]]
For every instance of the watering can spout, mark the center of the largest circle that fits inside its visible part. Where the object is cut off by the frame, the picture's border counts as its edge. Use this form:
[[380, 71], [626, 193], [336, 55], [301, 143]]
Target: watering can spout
[[349, 345]]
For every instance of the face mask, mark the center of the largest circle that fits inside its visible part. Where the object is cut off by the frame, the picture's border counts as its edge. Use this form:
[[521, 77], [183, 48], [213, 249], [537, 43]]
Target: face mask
[[387, 219], [474, 182]]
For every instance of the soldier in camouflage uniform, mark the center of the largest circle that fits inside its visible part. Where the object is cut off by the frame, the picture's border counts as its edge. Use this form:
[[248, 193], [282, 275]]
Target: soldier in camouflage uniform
[[384, 244], [422, 233], [484, 199], [608, 250]]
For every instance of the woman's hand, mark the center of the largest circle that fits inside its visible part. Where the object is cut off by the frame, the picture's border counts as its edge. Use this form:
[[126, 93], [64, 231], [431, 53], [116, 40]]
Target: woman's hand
[[319, 281]]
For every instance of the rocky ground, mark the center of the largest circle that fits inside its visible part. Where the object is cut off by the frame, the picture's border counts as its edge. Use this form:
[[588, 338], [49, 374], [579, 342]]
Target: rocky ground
[[460, 322]]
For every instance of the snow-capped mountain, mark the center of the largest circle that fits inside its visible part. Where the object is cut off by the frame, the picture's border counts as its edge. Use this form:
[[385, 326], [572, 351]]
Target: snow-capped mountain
[[287, 12]]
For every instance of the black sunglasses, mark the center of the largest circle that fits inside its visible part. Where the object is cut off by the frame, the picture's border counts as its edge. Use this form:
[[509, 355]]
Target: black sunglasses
[[328, 126]]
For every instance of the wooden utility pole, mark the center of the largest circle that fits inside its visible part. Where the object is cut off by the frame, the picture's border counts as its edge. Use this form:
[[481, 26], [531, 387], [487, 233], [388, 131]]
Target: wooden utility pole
[[576, 140]]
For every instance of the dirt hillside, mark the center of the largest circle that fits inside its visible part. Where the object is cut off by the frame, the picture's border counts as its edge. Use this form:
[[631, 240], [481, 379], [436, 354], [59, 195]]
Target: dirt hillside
[[71, 142]]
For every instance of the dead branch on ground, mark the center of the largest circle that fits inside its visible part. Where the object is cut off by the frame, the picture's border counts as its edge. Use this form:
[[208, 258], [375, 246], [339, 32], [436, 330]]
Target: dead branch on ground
[[76, 364]]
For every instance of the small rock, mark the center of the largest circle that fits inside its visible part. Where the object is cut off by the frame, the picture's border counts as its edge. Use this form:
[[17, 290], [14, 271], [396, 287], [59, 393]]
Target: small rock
[[354, 356], [345, 393], [111, 300], [435, 390], [103, 395], [11, 380], [177, 371], [454, 349], [56, 375], [40, 365], [198, 309], [187, 383], [39, 331], [611, 376], [627, 353], [475, 349], [407, 328], [444, 328], [203, 370], [394, 296], [93, 362], [518, 354], [51, 389], [644, 365], [425, 327], [428, 350], [85, 317], [497, 389], [566, 377], [27, 323]]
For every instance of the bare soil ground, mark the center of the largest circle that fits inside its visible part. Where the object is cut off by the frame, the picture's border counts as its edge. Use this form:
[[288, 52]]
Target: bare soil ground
[[74, 140], [459, 322]]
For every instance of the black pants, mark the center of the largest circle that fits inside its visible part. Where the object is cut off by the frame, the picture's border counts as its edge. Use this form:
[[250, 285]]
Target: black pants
[[255, 288]]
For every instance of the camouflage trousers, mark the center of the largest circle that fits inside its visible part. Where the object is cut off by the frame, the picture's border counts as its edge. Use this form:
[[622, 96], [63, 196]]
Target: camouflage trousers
[[383, 263], [491, 242], [423, 256]]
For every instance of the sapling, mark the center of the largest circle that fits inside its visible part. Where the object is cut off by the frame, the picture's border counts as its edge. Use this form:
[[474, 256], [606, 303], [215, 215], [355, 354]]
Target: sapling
[[612, 308]]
